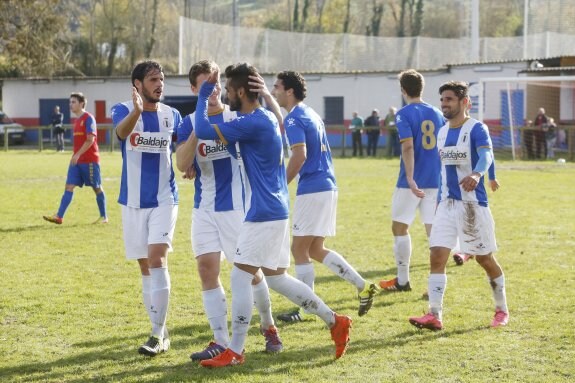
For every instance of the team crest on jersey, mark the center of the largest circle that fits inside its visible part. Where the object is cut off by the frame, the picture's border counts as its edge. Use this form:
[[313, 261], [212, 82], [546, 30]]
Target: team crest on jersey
[[149, 142], [290, 121]]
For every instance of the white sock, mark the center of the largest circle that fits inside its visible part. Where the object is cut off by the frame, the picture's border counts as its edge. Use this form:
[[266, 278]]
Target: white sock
[[498, 288], [159, 299], [216, 309], [302, 295], [263, 303], [146, 297], [402, 252], [242, 303], [339, 266], [436, 285], [146, 289], [306, 274]]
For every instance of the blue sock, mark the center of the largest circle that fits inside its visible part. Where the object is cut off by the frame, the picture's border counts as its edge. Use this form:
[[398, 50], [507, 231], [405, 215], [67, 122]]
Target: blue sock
[[65, 202], [101, 200]]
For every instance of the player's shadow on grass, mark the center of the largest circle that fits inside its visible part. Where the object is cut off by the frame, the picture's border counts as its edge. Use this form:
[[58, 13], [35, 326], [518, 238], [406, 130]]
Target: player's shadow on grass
[[89, 357], [45, 227], [263, 364], [371, 275], [179, 332], [423, 335]]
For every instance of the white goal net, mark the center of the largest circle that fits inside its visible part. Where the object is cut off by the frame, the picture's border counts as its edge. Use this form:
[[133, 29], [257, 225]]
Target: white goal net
[[510, 107]]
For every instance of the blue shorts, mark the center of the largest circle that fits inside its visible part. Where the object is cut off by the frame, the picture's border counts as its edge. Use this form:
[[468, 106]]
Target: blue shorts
[[84, 174]]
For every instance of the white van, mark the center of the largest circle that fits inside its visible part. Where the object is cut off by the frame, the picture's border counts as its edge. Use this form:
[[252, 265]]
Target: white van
[[16, 133]]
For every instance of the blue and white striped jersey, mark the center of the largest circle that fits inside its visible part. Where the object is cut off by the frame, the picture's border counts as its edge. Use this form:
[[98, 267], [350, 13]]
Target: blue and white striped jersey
[[458, 154], [218, 182], [147, 175]]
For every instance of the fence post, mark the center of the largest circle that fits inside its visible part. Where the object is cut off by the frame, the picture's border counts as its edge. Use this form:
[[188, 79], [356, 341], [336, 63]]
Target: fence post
[[5, 138], [40, 138], [112, 138], [343, 132], [571, 142]]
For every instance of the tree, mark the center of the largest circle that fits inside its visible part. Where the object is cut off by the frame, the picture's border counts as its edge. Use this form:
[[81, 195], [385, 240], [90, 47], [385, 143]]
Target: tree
[[152, 34], [304, 14], [295, 16], [319, 10], [32, 37], [347, 17], [373, 27], [409, 19], [418, 21]]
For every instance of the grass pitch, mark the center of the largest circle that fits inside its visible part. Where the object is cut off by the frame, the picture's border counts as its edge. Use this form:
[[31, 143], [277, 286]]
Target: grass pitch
[[71, 311]]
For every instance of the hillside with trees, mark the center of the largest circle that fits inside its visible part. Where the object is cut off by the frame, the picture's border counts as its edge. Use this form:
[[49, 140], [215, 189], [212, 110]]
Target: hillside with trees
[[47, 38]]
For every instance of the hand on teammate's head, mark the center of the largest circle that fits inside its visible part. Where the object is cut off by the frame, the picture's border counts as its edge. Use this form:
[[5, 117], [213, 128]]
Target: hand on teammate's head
[[258, 84], [214, 77]]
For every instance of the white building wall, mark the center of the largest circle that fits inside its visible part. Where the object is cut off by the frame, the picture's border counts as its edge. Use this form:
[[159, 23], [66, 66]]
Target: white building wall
[[567, 102], [362, 92]]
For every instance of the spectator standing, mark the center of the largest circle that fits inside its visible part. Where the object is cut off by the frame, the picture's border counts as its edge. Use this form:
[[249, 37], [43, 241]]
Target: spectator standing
[[550, 130], [356, 126], [57, 128], [372, 130], [392, 135], [540, 122], [528, 132]]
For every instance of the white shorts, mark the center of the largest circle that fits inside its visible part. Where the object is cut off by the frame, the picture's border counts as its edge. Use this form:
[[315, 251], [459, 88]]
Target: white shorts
[[143, 227], [404, 205], [468, 221], [314, 214], [215, 231], [264, 244]]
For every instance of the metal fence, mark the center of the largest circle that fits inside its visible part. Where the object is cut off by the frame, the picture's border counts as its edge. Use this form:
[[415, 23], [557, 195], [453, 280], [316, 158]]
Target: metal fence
[[340, 141], [273, 50], [44, 141], [524, 143]]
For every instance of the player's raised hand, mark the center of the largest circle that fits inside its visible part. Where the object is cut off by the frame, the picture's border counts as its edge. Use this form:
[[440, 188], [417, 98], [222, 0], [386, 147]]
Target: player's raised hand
[[137, 100], [214, 77]]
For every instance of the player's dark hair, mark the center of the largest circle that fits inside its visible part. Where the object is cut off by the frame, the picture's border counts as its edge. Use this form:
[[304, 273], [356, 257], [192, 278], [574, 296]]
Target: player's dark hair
[[412, 82], [238, 76], [201, 67], [142, 69], [80, 97], [460, 88], [295, 81]]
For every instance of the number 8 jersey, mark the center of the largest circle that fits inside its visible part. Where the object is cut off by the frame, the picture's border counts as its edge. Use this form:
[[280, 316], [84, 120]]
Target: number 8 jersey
[[420, 122]]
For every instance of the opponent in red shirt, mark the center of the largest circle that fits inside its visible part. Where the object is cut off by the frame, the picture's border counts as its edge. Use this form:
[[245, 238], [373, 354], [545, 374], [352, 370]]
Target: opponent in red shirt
[[84, 166]]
